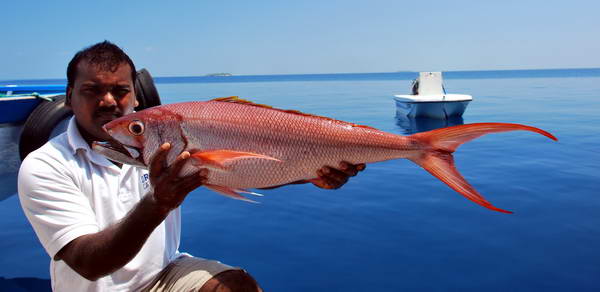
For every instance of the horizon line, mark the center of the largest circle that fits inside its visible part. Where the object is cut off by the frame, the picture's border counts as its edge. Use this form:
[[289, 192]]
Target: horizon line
[[331, 73]]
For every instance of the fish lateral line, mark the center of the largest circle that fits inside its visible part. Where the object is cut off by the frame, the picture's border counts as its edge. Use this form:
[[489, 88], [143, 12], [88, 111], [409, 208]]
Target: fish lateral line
[[237, 100]]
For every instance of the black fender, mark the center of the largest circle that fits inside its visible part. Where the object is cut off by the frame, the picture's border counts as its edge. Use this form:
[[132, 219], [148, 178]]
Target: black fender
[[145, 91], [38, 127], [40, 123]]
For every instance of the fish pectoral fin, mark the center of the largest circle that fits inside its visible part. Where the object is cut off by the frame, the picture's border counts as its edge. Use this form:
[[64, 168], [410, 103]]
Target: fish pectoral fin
[[218, 158], [232, 193]]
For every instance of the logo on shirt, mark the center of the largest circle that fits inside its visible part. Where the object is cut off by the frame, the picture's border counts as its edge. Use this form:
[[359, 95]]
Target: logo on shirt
[[145, 180]]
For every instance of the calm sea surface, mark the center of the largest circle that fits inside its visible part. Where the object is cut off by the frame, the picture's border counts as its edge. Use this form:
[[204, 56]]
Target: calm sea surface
[[395, 227]]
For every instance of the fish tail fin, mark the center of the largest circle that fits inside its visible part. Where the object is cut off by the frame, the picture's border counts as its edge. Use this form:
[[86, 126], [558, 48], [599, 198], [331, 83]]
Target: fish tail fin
[[439, 145]]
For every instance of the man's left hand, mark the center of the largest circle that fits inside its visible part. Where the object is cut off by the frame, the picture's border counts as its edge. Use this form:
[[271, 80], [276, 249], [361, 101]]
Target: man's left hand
[[330, 178], [334, 178]]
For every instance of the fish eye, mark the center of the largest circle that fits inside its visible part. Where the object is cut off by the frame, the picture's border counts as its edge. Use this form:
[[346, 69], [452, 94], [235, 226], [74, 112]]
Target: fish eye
[[136, 127]]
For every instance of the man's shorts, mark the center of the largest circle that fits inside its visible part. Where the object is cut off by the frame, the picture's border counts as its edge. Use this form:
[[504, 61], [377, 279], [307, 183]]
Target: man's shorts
[[186, 274]]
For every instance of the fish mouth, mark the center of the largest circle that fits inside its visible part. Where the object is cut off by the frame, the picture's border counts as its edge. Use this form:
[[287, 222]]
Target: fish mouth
[[118, 152]]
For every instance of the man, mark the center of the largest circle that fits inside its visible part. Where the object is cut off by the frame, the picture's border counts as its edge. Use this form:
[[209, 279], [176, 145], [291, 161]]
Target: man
[[103, 225]]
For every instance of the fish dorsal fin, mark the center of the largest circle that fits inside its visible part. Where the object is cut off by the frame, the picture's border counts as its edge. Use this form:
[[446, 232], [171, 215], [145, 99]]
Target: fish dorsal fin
[[235, 99]]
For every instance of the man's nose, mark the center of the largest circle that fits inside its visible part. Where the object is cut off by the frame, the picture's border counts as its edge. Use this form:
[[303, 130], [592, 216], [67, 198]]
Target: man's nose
[[108, 99]]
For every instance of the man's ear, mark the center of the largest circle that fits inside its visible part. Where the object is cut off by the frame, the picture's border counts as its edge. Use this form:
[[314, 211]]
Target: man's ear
[[136, 103], [68, 96]]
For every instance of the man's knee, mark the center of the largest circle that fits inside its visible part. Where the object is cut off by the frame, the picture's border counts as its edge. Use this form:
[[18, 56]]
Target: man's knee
[[232, 280]]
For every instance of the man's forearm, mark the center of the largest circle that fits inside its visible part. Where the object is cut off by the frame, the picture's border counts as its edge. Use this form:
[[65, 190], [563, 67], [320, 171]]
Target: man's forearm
[[99, 254]]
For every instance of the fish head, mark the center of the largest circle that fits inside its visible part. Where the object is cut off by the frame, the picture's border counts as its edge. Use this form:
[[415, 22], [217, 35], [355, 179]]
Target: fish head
[[134, 137]]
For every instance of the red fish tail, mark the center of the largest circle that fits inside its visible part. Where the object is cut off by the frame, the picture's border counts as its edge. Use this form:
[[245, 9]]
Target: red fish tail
[[441, 143]]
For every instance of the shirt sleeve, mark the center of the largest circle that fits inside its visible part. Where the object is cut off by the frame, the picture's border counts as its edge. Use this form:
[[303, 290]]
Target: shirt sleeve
[[55, 205]]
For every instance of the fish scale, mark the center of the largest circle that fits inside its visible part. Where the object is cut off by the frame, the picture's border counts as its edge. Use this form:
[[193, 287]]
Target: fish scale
[[246, 145], [303, 143]]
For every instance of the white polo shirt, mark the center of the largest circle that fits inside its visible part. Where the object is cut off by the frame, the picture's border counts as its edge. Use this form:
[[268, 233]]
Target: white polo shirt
[[67, 190]]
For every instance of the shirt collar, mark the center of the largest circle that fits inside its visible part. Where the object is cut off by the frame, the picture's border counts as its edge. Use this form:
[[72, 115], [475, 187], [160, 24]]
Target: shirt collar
[[76, 142]]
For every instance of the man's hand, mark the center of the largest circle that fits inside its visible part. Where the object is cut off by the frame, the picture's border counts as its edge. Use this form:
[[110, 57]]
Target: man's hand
[[332, 178], [169, 189], [98, 254]]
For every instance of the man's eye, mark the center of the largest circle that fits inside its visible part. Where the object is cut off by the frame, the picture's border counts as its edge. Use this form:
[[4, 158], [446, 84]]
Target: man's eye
[[92, 90], [121, 92]]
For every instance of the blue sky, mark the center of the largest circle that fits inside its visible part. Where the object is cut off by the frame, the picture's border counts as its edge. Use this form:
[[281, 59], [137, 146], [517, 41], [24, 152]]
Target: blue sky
[[186, 38]]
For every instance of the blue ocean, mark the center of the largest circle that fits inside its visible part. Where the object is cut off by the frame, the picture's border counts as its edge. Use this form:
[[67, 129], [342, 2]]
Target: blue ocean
[[395, 227]]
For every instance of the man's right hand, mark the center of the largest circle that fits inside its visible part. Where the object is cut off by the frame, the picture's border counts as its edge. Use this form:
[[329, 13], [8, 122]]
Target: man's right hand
[[169, 188]]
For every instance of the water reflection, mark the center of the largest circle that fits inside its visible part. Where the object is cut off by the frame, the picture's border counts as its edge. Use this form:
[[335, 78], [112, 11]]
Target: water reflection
[[9, 157], [10, 160], [419, 124]]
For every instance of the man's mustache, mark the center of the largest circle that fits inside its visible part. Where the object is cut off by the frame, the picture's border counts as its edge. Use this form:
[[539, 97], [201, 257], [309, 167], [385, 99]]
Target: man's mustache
[[109, 110]]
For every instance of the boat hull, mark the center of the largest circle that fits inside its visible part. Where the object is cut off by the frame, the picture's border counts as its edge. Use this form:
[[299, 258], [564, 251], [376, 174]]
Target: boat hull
[[18, 101], [434, 110], [17, 109], [53, 89]]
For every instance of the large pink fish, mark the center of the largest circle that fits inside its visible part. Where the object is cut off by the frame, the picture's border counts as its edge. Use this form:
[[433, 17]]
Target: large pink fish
[[246, 145]]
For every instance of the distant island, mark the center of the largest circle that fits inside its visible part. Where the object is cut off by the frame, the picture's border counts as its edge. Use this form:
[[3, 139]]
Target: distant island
[[218, 74]]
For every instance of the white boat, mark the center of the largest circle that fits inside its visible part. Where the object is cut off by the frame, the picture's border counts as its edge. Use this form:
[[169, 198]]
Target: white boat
[[429, 99]]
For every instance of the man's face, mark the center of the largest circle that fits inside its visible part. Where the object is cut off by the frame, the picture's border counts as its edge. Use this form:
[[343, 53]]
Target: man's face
[[98, 97]]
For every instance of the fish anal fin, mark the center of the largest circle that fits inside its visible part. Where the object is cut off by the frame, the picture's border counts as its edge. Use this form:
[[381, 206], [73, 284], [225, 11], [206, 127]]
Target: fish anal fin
[[218, 158], [231, 192]]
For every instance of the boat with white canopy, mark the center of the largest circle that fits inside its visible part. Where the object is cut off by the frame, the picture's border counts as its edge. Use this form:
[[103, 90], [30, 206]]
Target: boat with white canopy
[[429, 99]]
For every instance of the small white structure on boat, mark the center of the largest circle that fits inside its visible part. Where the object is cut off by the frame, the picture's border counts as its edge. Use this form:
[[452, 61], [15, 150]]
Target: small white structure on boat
[[429, 99]]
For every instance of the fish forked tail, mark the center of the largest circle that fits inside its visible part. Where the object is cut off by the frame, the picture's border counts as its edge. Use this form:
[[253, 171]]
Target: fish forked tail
[[441, 143]]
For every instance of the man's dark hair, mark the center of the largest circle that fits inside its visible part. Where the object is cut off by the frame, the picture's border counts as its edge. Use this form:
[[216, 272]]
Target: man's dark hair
[[105, 55]]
